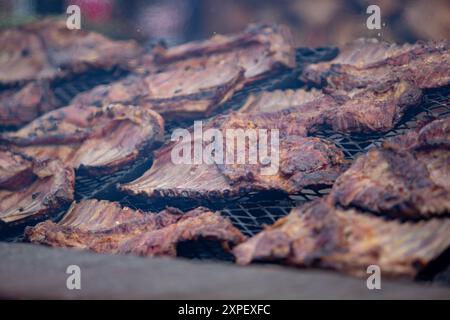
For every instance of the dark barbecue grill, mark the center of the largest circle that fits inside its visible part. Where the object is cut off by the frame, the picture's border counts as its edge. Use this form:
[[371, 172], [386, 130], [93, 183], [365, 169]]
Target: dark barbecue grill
[[248, 212]]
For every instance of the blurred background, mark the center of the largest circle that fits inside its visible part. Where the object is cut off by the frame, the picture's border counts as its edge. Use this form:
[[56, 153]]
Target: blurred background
[[313, 22]]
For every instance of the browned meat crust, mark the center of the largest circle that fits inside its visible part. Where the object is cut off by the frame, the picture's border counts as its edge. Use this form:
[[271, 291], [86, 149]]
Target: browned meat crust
[[409, 177], [319, 235], [30, 189], [375, 108], [20, 105], [47, 49], [367, 61], [105, 227], [260, 49], [175, 94], [303, 162], [98, 139]]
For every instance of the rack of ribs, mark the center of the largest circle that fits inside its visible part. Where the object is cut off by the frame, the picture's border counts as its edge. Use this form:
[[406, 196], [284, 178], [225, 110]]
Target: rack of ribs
[[408, 177], [99, 140], [320, 235], [192, 80], [303, 162], [372, 109], [106, 227], [366, 62], [31, 189]]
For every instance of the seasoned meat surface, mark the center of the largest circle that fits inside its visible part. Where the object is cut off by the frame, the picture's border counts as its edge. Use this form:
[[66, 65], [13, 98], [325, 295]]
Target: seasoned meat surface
[[409, 177], [175, 94], [98, 139], [259, 50], [31, 189], [320, 235], [106, 227], [369, 61], [296, 162], [372, 109], [192, 80]]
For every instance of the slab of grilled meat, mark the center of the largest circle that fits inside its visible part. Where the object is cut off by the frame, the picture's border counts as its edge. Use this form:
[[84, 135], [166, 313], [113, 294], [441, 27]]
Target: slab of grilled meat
[[303, 161], [409, 177], [319, 235], [368, 61], [20, 105], [100, 140], [47, 49], [372, 109], [259, 50], [31, 189], [175, 94], [106, 227], [191, 80]]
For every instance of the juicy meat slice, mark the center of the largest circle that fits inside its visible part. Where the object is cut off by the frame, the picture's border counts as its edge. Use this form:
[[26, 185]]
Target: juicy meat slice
[[260, 49], [30, 189], [98, 139], [302, 161], [367, 61], [175, 94], [319, 235], [47, 49], [407, 178], [20, 105], [106, 227], [376, 108]]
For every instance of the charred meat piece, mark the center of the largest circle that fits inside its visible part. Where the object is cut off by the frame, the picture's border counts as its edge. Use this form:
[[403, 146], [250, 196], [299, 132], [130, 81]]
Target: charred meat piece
[[319, 235], [20, 105], [175, 94], [407, 178], [47, 49], [280, 160], [106, 227], [372, 109], [31, 189], [97, 139], [260, 49], [368, 61]]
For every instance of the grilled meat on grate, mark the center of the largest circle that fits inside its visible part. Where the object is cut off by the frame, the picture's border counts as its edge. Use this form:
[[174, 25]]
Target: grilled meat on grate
[[192, 80], [369, 61], [375, 108], [409, 177], [99, 140], [175, 94], [320, 235], [303, 161], [47, 49], [30, 189], [259, 50], [106, 227]]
